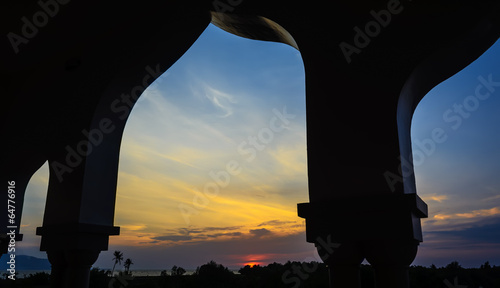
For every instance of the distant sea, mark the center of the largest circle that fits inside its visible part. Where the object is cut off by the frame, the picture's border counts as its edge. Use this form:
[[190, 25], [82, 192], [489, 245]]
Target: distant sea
[[26, 265], [151, 272], [23, 273]]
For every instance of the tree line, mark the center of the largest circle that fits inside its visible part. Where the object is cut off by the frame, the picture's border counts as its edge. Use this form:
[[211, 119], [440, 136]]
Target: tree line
[[289, 275]]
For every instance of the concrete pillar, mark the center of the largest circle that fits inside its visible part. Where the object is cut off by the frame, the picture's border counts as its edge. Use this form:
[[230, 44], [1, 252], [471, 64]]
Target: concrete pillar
[[71, 268], [83, 164], [72, 250], [351, 145], [391, 260], [343, 261], [359, 111], [58, 268], [378, 228], [79, 263]]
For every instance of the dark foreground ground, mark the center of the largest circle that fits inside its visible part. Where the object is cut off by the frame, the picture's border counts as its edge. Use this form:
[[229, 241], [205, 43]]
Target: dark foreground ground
[[289, 275]]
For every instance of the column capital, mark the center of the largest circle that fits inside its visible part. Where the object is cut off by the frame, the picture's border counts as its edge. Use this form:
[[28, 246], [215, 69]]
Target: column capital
[[76, 236], [378, 217]]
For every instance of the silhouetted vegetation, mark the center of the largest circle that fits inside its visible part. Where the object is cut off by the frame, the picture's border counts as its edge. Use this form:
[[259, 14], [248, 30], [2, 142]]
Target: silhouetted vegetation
[[39, 279], [215, 275], [291, 274], [486, 276], [178, 271], [127, 264], [288, 275], [99, 278], [314, 274], [118, 258]]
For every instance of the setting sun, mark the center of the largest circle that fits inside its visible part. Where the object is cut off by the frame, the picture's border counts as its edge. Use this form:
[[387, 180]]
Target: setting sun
[[251, 264], [255, 259]]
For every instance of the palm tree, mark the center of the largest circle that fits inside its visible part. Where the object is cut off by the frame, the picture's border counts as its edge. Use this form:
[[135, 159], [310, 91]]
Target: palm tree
[[118, 257], [127, 264]]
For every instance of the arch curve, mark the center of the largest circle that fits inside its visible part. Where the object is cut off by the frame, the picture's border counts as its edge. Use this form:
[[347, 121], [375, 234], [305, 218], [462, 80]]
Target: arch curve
[[253, 27]]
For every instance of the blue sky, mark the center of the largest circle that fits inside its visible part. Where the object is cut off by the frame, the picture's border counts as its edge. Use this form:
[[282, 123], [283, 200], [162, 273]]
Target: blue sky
[[188, 126], [460, 180]]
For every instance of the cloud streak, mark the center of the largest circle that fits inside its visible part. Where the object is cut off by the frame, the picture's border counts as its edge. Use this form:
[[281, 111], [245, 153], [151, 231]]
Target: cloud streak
[[261, 232], [220, 100], [472, 215]]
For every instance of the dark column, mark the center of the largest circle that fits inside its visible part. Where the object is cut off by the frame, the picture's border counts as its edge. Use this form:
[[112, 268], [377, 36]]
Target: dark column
[[58, 268], [359, 109], [379, 228], [352, 141], [71, 268], [72, 250], [391, 260], [79, 263], [343, 261]]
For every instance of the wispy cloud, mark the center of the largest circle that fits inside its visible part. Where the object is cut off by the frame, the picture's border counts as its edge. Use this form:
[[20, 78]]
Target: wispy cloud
[[220, 100], [475, 214], [133, 227], [480, 213], [437, 198], [173, 238], [261, 232], [275, 223], [208, 233], [138, 235], [466, 236]]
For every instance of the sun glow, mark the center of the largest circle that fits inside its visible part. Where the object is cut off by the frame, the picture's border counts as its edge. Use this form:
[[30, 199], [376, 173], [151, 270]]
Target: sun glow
[[255, 259], [252, 264]]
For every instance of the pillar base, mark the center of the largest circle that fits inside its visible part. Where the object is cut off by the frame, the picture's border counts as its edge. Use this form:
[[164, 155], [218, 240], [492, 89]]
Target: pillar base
[[72, 249], [343, 261], [347, 276], [384, 229], [391, 261], [71, 268]]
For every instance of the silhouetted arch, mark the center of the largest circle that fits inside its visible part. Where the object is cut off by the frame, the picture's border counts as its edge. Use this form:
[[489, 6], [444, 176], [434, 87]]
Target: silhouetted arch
[[105, 53], [441, 65]]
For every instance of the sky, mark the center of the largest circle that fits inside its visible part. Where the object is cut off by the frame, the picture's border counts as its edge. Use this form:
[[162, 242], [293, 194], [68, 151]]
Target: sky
[[192, 189]]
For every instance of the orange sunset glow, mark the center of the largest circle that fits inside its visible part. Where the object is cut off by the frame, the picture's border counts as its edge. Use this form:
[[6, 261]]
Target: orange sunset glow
[[253, 260], [251, 264]]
